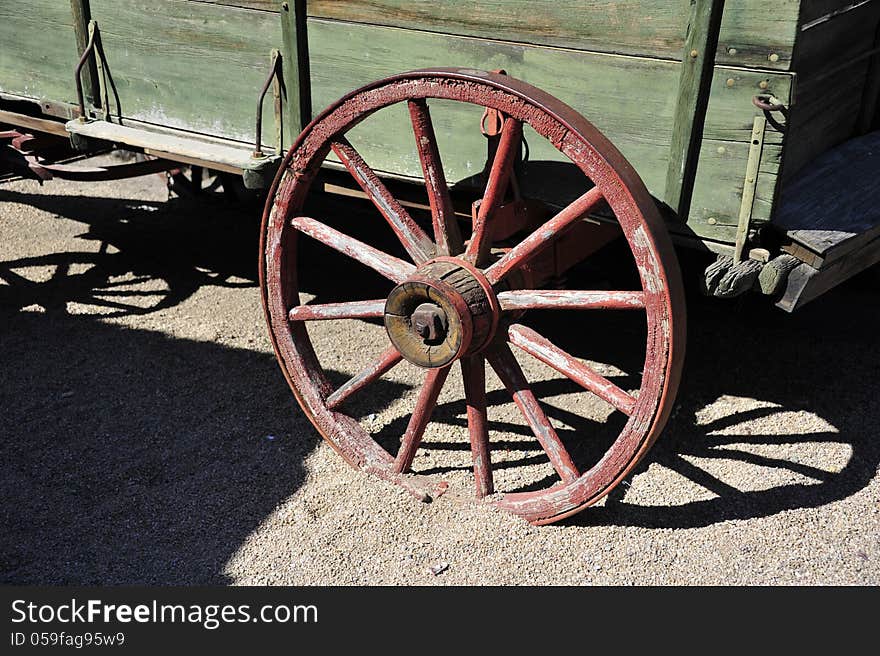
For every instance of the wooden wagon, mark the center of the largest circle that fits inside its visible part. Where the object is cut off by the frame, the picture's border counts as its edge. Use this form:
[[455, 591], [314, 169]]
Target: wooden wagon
[[741, 129]]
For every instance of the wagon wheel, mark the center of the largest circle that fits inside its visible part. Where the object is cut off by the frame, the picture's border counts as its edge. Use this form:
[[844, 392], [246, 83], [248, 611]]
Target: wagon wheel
[[463, 302]]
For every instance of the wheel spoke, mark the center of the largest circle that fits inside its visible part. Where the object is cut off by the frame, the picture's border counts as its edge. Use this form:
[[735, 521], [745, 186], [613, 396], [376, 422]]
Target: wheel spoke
[[567, 299], [383, 363], [505, 365], [473, 373], [446, 233], [499, 176], [383, 263], [420, 417], [350, 310], [553, 356], [414, 240], [544, 236]]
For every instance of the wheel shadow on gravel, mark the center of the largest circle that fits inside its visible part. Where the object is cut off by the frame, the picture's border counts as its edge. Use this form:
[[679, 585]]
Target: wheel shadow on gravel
[[130, 457], [180, 397], [822, 360], [183, 244], [570, 427]]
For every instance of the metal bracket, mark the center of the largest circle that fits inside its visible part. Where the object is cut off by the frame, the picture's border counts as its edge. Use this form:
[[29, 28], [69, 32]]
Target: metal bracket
[[96, 50], [750, 185], [491, 124], [274, 76], [769, 104]]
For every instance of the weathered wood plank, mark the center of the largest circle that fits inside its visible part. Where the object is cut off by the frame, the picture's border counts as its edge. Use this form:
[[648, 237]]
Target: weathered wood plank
[[832, 69], [32, 123], [826, 44], [834, 206], [163, 140], [81, 17], [719, 185], [750, 33], [694, 83], [806, 283], [259, 5], [190, 65], [811, 11], [817, 12], [602, 87], [38, 50], [295, 68]]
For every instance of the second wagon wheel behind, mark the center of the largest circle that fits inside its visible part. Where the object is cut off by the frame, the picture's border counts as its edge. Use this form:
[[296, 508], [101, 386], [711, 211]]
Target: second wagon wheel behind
[[453, 304]]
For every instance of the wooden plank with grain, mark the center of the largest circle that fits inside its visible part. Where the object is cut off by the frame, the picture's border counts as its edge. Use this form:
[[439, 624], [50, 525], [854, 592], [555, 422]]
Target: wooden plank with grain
[[653, 28], [189, 65], [606, 101], [694, 87], [38, 50]]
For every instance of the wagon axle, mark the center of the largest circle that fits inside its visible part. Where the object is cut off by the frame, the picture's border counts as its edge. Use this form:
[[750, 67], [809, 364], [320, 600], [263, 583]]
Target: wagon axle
[[430, 323]]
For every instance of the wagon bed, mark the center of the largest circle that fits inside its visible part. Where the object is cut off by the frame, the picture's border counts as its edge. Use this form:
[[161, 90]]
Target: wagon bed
[[197, 67]]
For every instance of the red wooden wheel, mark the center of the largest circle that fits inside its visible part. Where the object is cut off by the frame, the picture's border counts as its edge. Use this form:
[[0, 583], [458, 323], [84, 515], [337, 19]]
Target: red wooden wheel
[[463, 301]]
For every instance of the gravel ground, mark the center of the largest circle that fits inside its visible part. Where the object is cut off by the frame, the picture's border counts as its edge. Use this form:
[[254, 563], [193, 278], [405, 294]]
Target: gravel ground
[[149, 437]]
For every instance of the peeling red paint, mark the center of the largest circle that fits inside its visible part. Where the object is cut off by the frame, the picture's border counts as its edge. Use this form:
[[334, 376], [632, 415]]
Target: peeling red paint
[[414, 240], [550, 354], [570, 299], [349, 310]]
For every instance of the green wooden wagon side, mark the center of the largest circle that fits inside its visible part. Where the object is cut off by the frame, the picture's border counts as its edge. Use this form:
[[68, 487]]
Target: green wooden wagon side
[[743, 129]]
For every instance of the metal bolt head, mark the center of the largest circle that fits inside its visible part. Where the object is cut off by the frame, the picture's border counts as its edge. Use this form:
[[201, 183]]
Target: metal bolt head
[[773, 57], [730, 82], [430, 322], [763, 84], [731, 51], [712, 220], [694, 53]]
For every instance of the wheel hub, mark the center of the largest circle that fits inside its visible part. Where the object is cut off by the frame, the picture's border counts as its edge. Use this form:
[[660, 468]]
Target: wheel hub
[[446, 310]]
